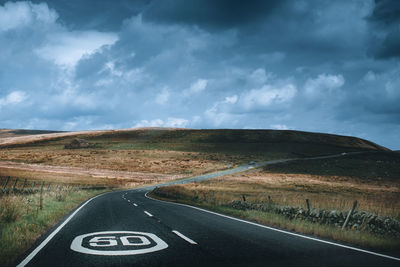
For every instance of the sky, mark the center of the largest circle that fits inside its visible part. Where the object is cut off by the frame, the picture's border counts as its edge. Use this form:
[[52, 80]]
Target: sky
[[318, 65]]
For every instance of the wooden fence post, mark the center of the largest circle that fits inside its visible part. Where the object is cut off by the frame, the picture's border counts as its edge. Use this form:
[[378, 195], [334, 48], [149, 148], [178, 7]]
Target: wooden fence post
[[244, 198], [41, 196], [269, 199], [15, 183], [349, 214], [308, 205], [6, 182], [23, 185]]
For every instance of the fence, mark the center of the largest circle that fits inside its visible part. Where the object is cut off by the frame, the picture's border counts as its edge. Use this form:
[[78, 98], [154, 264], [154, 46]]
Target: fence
[[39, 190], [351, 219], [11, 185]]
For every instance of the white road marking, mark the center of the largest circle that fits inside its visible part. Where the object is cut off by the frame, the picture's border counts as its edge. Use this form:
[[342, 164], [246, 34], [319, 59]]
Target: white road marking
[[134, 204], [187, 239], [110, 241], [47, 240], [279, 230], [148, 214], [129, 200]]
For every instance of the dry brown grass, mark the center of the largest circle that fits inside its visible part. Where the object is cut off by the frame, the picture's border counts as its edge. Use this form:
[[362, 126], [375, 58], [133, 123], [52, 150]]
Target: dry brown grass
[[111, 167], [61, 178], [22, 222], [330, 192], [152, 161]]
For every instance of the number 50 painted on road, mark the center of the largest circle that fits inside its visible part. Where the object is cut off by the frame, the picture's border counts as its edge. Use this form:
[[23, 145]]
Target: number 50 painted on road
[[110, 241], [106, 243]]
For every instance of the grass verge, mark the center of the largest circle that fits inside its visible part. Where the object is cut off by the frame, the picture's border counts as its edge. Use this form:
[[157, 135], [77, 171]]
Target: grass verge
[[21, 222], [359, 238]]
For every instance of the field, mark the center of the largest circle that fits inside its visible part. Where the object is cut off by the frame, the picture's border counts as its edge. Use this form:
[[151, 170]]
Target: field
[[156, 154], [131, 158]]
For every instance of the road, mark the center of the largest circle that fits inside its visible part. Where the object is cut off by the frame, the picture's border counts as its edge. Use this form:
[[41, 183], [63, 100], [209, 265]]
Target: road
[[127, 228]]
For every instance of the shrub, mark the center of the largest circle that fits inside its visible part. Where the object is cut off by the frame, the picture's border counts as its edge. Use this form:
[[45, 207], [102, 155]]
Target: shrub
[[10, 210]]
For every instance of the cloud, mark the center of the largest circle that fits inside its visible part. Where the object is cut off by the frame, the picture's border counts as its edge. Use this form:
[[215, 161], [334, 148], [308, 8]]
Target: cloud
[[231, 99], [378, 93], [210, 14], [384, 28], [220, 118], [267, 96], [48, 38], [275, 94], [279, 127], [67, 48], [94, 14], [170, 122], [13, 98], [259, 77], [385, 12], [14, 15], [272, 97], [162, 97], [196, 87], [323, 85], [390, 45]]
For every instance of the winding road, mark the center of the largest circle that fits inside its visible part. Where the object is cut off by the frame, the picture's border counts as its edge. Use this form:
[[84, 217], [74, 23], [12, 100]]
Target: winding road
[[128, 228]]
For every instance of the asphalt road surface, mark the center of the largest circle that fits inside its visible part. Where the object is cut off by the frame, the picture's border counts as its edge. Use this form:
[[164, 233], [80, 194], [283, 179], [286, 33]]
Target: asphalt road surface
[[127, 228]]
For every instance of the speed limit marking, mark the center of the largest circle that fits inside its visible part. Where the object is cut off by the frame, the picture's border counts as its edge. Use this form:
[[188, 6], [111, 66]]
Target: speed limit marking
[[117, 243]]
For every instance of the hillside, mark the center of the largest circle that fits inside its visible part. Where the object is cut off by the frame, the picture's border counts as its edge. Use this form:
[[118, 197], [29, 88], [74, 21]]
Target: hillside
[[367, 166], [156, 154], [296, 143]]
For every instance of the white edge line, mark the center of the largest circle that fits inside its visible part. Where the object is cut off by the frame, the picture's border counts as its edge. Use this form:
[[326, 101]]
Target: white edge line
[[148, 214], [187, 239], [134, 204], [47, 240], [279, 230]]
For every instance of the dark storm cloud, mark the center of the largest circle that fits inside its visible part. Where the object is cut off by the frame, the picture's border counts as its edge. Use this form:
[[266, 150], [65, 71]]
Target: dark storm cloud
[[210, 14], [390, 47], [386, 12], [95, 14], [385, 29], [304, 32], [264, 26]]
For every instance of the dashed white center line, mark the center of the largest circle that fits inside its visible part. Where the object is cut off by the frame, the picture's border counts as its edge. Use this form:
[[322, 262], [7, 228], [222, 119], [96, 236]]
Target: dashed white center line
[[134, 204], [187, 239], [129, 200], [148, 214]]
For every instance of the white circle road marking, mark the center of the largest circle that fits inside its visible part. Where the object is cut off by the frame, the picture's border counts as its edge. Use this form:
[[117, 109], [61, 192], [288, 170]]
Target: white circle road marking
[[110, 241]]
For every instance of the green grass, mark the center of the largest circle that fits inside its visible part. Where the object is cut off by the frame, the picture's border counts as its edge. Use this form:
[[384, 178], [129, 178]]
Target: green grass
[[21, 223], [354, 237]]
